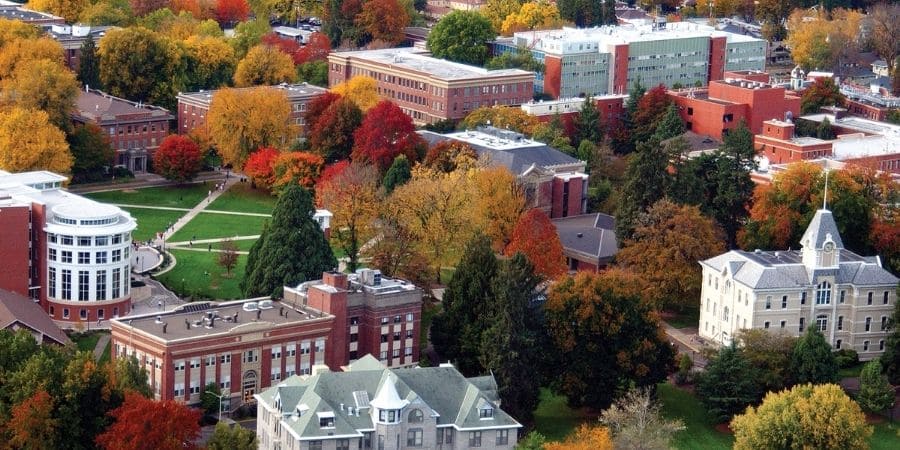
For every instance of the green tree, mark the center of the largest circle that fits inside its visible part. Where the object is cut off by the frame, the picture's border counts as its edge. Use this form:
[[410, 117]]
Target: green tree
[[313, 72], [520, 59], [734, 187], [671, 124], [532, 441], [89, 64], [247, 35], [512, 345], [621, 139], [130, 375], [397, 175], [823, 92], [457, 331], [209, 399], [461, 36], [770, 353], [824, 131], [292, 249], [812, 360], [91, 152], [875, 392], [585, 13], [728, 384], [807, 416], [233, 437], [86, 398], [588, 124], [646, 182], [891, 357]]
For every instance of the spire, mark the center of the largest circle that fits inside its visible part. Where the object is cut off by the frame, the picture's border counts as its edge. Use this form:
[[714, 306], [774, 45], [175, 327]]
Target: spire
[[825, 197]]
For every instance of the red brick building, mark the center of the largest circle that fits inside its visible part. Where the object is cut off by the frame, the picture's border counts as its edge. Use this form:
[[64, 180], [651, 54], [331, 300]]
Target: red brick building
[[194, 106], [248, 345], [72, 37], [610, 107], [779, 145], [135, 130], [430, 89]]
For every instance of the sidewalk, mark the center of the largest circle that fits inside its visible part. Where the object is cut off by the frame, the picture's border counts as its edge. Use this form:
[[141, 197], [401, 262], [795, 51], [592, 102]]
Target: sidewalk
[[183, 220], [101, 346], [142, 180]]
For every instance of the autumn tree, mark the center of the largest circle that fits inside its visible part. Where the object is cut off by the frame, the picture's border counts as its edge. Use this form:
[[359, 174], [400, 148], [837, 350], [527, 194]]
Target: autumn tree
[[231, 11], [514, 119], [585, 437], [812, 360], [212, 62], [295, 168], [316, 49], [807, 416], [178, 158], [138, 64], [259, 167], [287, 46], [819, 40], [228, 256], [352, 196], [33, 425], [769, 352], [67, 9], [891, 357], [397, 175], [885, 29], [144, 7], [397, 254], [292, 248], [533, 15], [383, 20], [449, 155], [264, 65], [243, 120], [461, 36], [28, 141], [141, 423], [385, 132], [361, 90], [232, 437], [248, 34], [45, 85], [668, 241], [608, 340], [728, 384], [536, 237], [651, 108], [823, 92], [331, 135], [635, 422], [496, 11], [317, 106], [498, 205]]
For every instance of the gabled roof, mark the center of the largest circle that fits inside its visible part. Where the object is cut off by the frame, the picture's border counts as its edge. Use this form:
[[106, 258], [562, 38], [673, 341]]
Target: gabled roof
[[593, 235], [18, 309], [821, 228]]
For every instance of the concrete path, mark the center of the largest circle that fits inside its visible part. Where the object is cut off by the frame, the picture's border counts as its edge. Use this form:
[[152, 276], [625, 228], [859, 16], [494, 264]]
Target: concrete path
[[144, 180], [213, 240], [686, 343], [211, 211], [101, 346], [183, 220]]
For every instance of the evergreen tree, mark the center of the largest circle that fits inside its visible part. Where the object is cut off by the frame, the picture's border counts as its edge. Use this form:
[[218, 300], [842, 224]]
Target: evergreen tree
[[875, 393], [609, 12], [728, 385], [292, 249], [397, 175], [824, 131], [513, 344], [588, 125], [585, 152], [734, 187], [89, 64], [671, 124], [646, 181], [812, 360], [622, 142], [891, 357], [456, 332]]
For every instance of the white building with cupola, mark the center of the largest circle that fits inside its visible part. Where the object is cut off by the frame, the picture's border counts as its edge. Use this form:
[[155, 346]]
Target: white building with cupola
[[848, 297]]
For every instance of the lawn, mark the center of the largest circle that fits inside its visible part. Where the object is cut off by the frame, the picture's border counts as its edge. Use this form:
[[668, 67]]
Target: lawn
[[182, 196], [199, 274], [150, 221], [699, 432], [106, 353], [242, 198], [212, 225], [243, 245], [85, 342], [851, 372], [555, 419]]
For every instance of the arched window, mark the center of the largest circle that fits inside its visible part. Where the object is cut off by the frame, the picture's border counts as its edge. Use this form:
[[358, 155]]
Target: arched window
[[415, 416], [823, 293]]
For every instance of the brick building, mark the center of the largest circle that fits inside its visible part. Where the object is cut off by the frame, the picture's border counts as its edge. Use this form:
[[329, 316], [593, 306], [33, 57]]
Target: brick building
[[64, 251], [430, 89], [135, 130], [610, 59], [862, 141], [874, 102], [723, 104], [779, 145], [611, 108], [72, 37], [246, 346], [194, 106]]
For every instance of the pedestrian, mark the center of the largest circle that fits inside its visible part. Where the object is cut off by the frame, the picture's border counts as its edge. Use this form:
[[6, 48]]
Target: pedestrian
[[209, 249], [191, 243]]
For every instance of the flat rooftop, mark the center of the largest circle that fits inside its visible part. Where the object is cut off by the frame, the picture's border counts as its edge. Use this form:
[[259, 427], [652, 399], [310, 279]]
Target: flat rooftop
[[858, 124], [293, 91], [413, 59], [206, 319], [19, 12]]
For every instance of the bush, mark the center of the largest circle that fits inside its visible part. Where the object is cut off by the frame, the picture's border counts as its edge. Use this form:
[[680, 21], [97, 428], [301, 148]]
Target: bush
[[122, 172], [846, 358]]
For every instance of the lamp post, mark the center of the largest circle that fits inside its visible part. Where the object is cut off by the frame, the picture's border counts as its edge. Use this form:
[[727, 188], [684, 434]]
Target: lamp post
[[219, 396]]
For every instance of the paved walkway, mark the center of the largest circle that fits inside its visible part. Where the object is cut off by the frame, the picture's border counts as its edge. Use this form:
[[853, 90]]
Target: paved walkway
[[183, 220], [101, 346], [142, 180], [686, 341]]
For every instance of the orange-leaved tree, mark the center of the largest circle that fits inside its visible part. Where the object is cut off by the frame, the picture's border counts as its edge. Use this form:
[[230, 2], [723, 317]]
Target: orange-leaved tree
[[259, 167], [28, 141], [295, 168], [352, 196], [385, 132], [33, 423], [447, 156], [499, 202], [144, 424], [586, 437], [384, 20], [536, 237], [178, 158], [230, 11]]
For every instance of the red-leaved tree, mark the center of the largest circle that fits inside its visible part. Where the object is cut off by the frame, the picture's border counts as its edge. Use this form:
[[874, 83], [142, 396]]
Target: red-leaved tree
[[317, 106], [259, 167], [178, 158], [650, 110], [330, 172], [144, 424], [230, 11], [287, 46], [536, 237], [331, 135], [144, 7], [385, 132], [32, 424], [296, 168], [317, 49]]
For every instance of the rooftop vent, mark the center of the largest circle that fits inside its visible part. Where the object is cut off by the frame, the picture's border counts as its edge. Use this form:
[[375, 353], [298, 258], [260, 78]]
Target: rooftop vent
[[265, 304], [251, 306]]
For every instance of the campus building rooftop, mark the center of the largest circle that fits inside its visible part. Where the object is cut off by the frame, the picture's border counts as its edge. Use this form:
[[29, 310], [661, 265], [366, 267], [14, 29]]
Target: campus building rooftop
[[99, 106], [293, 91], [413, 59]]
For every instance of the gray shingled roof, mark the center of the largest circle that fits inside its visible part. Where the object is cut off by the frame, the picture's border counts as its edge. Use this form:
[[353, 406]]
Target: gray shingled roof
[[820, 229], [517, 160], [16, 308], [588, 234]]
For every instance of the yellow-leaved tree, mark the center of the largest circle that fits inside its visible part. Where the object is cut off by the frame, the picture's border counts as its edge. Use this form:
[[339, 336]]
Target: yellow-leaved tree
[[242, 120], [497, 11], [67, 9], [214, 62], [42, 84], [18, 51], [501, 117], [352, 196], [808, 416], [585, 437], [819, 42], [499, 202], [360, 90], [16, 29], [264, 65], [534, 15], [28, 141]]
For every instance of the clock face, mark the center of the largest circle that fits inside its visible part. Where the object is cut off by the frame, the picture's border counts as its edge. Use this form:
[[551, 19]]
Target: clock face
[[829, 246]]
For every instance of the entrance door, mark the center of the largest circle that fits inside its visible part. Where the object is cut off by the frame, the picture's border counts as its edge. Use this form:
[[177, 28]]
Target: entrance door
[[249, 386]]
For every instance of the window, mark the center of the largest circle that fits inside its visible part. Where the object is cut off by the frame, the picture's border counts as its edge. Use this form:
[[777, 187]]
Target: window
[[881, 345], [66, 256], [766, 325], [343, 444], [84, 241], [225, 359], [102, 240], [66, 240], [784, 302], [384, 320], [395, 353], [823, 293], [474, 439], [801, 324], [396, 335], [409, 334], [195, 387], [822, 322], [868, 324], [116, 255], [869, 301], [354, 321], [320, 345], [803, 298], [486, 412], [178, 365], [101, 257], [384, 338], [397, 319], [65, 313], [725, 314], [837, 344], [304, 348], [840, 324], [865, 346], [315, 445], [783, 324], [226, 382], [383, 356], [210, 361], [407, 351], [326, 421], [415, 416], [291, 350], [276, 352], [52, 255], [116, 283], [843, 294], [414, 437], [117, 239], [768, 302], [84, 284], [883, 323], [51, 281], [66, 284], [885, 299], [250, 356], [82, 314], [195, 363], [409, 317], [502, 437]]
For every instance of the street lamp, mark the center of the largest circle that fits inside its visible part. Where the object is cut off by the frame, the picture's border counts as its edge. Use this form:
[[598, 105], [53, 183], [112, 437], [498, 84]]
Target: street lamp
[[219, 396]]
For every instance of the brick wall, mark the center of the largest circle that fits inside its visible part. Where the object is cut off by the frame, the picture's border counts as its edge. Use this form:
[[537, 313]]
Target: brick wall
[[14, 221]]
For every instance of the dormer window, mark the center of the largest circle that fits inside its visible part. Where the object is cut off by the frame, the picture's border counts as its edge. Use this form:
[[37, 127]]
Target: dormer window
[[326, 419], [486, 412], [388, 415]]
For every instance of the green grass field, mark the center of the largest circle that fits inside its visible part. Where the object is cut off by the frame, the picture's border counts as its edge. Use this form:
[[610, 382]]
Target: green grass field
[[85, 342], [242, 198], [199, 274], [555, 419], [183, 196], [212, 225], [150, 221], [243, 245], [699, 432]]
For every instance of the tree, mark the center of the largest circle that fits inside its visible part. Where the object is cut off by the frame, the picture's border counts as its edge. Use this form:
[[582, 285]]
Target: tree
[[670, 125], [770, 353], [819, 40], [45, 85], [248, 34], [608, 338], [501, 117], [295, 168], [584, 438], [17, 52], [461, 36], [89, 64], [812, 360], [875, 392], [91, 153], [498, 204], [231, 11], [316, 49], [228, 256], [128, 374], [646, 181], [178, 158], [318, 105], [383, 20], [141, 423], [85, 396], [28, 141], [352, 196], [209, 400], [331, 135], [264, 65], [361, 90], [397, 255], [885, 29], [447, 156], [32, 425], [532, 441], [728, 385], [588, 123], [823, 92], [138, 64], [807, 416], [668, 241], [496, 11], [533, 15], [457, 331], [536, 237], [292, 248], [585, 13], [520, 59], [67, 9], [234, 437], [144, 7], [397, 175], [734, 187], [241, 121], [259, 167], [635, 422], [651, 109], [12, 30], [314, 73], [385, 132], [891, 357], [212, 62], [824, 131], [338, 23]]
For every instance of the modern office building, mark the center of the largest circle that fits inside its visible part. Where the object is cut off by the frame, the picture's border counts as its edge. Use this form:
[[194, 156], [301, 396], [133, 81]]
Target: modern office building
[[848, 297], [64, 251], [370, 406], [610, 59], [194, 106], [430, 89]]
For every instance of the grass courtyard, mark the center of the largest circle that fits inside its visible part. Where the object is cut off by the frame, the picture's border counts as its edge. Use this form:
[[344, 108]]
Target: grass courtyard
[[198, 274], [213, 226], [181, 196], [242, 198], [151, 221]]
